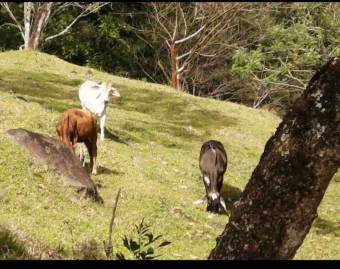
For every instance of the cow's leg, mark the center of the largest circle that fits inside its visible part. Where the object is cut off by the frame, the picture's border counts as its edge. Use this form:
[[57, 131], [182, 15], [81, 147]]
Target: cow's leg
[[94, 152], [92, 149], [102, 123], [89, 149]]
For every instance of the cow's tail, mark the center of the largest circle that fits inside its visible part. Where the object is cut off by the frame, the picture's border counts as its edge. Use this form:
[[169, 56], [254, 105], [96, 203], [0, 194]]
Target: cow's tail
[[72, 131], [65, 128], [68, 130]]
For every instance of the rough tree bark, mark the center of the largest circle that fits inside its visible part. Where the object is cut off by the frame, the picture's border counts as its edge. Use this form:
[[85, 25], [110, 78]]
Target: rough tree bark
[[27, 23], [180, 31], [40, 18], [174, 67], [279, 203]]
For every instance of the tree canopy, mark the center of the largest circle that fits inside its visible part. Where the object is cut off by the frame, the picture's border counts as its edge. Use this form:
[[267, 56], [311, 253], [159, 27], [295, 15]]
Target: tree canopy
[[252, 53]]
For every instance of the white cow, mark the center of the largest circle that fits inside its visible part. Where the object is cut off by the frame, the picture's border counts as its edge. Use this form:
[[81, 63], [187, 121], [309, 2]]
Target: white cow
[[94, 97]]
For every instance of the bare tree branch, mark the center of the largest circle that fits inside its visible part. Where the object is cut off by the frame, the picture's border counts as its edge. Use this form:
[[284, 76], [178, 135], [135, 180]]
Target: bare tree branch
[[184, 20], [66, 29], [179, 70], [86, 12], [163, 70], [109, 247], [158, 19], [183, 55], [6, 7], [10, 24], [176, 25], [190, 36]]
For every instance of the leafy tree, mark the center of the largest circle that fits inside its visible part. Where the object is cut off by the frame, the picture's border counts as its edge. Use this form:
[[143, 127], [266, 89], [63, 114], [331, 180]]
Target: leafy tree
[[35, 17], [10, 37], [298, 38], [252, 53], [102, 40]]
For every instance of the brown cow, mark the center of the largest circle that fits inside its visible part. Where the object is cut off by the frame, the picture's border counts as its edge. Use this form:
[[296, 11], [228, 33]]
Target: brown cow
[[77, 125], [213, 164]]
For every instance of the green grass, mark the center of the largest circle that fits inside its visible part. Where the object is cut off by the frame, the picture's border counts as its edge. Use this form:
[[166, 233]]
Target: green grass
[[151, 153]]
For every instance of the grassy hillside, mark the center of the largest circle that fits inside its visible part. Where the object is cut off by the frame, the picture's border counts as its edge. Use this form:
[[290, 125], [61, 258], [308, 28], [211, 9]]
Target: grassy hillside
[[151, 152]]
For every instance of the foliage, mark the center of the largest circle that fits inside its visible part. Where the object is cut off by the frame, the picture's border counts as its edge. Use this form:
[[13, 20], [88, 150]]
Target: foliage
[[245, 62], [10, 36], [143, 246], [265, 55], [142, 249], [102, 40], [299, 37]]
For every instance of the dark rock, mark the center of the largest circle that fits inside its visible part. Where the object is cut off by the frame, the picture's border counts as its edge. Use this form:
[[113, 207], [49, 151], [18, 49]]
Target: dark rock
[[56, 156]]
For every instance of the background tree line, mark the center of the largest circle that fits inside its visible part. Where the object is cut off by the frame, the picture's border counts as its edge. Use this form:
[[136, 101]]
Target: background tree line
[[253, 53]]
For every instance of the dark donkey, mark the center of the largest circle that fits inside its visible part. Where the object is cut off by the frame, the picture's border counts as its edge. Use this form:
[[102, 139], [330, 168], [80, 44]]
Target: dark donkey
[[213, 164]]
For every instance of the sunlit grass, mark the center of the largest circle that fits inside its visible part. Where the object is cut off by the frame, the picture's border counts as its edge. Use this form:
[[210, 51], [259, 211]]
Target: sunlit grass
[[151, 153]]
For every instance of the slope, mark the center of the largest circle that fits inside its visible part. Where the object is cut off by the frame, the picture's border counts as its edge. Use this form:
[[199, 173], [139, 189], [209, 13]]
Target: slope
[[154, 135]]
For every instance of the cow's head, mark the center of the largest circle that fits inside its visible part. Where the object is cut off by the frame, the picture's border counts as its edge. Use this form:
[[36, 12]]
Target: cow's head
[[214, 199], [107, 91]]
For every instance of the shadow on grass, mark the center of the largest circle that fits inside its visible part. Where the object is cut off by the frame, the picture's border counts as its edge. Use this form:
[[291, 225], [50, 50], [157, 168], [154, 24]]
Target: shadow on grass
[[42, 88], [115, 137], [102, 170], [11, 247], [108, 171], [324, 227], [171, 116]]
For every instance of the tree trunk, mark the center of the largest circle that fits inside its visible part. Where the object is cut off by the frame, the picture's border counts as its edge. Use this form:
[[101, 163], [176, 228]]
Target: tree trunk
[[40, 19], [174, 66], [27, 22], [279, 203]]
